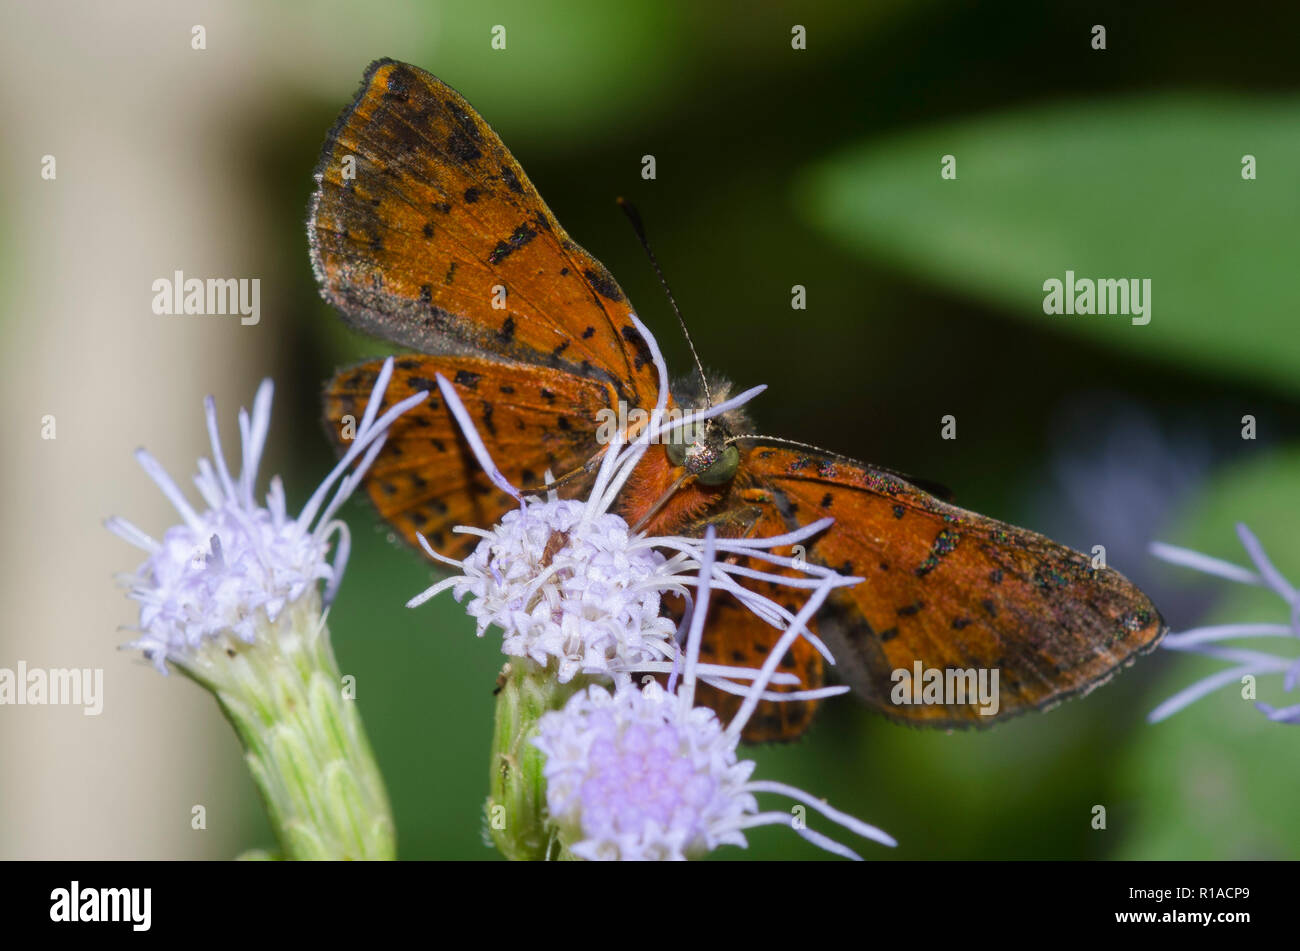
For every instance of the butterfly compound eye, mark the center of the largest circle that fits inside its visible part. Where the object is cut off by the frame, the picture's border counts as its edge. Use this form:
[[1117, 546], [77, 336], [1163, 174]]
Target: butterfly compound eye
[[676, 449], [723, 468]]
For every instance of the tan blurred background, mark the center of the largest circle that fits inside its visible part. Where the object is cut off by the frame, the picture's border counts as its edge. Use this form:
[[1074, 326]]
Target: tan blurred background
[[134, 118]]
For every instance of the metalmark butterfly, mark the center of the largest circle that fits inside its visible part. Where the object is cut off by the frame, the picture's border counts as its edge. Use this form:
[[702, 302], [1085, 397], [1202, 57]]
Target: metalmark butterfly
[[425, 230]]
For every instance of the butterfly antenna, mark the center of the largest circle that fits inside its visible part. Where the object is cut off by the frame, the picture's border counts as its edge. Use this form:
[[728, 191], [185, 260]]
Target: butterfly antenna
[[635, 218], [784, 442]]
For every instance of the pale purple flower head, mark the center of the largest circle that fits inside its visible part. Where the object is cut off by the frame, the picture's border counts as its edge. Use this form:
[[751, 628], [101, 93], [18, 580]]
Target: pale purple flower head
[[233, 563], [1209, 640]]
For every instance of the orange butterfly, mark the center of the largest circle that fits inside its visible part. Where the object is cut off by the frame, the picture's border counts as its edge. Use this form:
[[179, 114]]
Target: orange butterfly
[[425, 230]]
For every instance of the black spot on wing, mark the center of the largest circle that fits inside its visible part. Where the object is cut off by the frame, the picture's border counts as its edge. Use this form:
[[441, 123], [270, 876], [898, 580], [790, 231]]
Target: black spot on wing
[[633, 336], [507, 331], [511, 179], [421, 383], [943, 545], [461, 147], [604, 283], [518, 238], [399, 84]]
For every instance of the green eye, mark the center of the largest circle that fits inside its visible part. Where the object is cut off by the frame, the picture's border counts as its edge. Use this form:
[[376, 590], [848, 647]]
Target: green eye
[[722, 469], [676, 451]]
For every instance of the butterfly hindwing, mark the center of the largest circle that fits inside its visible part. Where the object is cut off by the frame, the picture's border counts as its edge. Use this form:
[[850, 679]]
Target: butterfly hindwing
[[735, 637], [953, 590], [426, 480]]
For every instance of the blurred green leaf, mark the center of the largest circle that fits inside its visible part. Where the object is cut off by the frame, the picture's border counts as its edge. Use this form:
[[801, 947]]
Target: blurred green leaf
[[1217, 779], [587, 70], [559, 76], [1142, 188]]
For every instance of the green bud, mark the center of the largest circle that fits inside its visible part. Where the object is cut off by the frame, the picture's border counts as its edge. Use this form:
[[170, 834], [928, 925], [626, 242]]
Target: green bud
[[515, 813], [303, 739]]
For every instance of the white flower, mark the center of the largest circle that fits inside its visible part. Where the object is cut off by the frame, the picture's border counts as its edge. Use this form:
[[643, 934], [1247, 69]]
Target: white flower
[[595, 604], [1206, 640], [567, 580], [644, 774], [235, 564]]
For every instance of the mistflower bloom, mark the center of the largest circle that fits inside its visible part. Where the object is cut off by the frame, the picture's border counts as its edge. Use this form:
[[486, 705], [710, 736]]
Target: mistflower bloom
[[232, 597], [224, 568], [596, 603], [1209, 640], [644, 774]]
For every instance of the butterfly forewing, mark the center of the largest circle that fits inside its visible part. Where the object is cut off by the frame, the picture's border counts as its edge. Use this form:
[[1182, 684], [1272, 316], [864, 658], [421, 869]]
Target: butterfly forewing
[[425, 230]]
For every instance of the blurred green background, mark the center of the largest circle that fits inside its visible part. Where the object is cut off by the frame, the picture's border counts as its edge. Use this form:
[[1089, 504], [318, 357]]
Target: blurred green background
[[820, 167]]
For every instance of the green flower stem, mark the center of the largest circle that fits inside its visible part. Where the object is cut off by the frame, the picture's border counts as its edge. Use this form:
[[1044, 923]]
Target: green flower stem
[[303, 738], [517, 819]]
